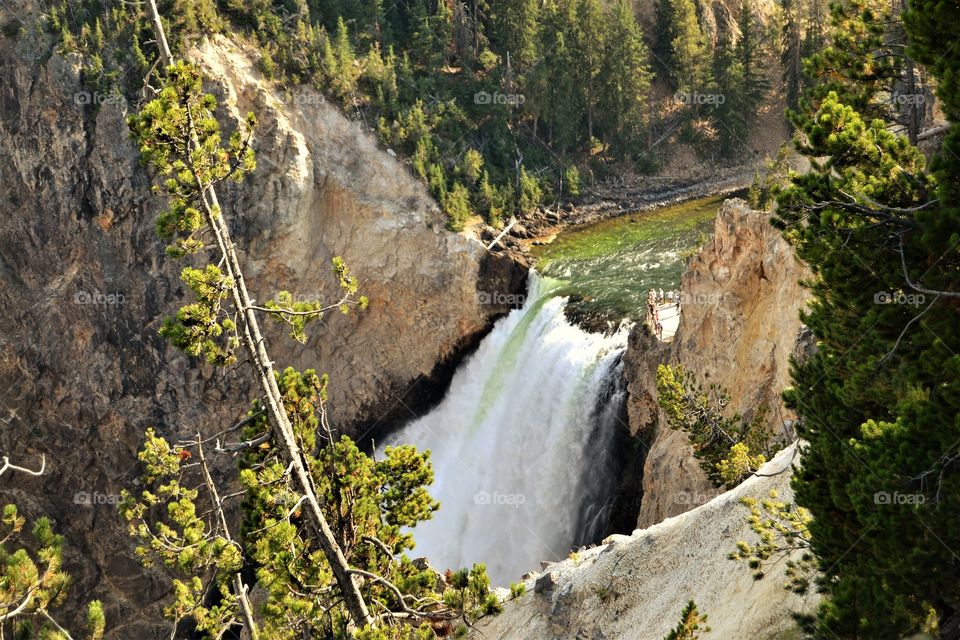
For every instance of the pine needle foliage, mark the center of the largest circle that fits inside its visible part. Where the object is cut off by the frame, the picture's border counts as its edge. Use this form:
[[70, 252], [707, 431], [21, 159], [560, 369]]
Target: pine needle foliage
[[729, 448]]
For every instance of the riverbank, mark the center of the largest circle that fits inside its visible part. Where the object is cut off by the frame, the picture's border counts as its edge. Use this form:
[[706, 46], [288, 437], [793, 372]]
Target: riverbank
[[652, 192], [608, 201]]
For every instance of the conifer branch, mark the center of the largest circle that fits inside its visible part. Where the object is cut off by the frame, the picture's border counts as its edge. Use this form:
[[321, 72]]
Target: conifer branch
[[915, 286], [239, 587]]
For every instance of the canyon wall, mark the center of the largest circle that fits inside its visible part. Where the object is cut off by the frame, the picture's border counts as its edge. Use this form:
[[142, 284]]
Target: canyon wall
[[84, 286], [326, 187], [739, 326]]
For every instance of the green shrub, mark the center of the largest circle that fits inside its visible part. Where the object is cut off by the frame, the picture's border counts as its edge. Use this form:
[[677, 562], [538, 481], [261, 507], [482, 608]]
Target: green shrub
[[531, 194], [472, 165], [456, 204], [571, 181]]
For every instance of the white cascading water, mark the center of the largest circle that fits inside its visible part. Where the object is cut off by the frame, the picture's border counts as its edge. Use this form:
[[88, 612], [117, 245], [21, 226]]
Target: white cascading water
[[523, 443]]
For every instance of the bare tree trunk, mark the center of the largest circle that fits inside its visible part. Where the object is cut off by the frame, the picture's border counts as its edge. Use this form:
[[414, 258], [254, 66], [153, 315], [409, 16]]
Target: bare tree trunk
[[476, 30], [589, 100], [649, 119], [273, 399], [241, 589], [914, 100]]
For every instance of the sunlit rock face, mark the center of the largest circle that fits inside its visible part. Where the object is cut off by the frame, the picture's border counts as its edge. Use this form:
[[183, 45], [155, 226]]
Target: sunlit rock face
[[739, 325], [634, 587]]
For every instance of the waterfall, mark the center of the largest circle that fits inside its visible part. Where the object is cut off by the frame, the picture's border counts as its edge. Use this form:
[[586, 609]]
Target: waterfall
[[523, 444]]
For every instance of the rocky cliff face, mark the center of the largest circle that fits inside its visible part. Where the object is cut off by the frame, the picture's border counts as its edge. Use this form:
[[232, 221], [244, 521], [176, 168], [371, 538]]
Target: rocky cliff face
[[326, 187], [84, 285], [634, 587], [739, 325]]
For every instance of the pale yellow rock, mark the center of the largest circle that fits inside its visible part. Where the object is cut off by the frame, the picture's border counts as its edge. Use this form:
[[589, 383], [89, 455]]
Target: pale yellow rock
[[635, 589]]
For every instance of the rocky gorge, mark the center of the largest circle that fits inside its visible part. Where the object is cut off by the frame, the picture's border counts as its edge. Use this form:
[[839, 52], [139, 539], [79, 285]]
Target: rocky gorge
[[739, 329], [84, 286]]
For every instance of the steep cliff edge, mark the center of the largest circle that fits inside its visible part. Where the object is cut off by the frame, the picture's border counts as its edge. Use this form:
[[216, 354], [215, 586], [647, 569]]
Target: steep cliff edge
[[634, 587], [325, 187], [739, 325], [84, 285]]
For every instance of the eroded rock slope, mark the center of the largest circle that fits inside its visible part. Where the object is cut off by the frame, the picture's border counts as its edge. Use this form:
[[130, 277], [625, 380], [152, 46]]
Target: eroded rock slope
[[634, 587]]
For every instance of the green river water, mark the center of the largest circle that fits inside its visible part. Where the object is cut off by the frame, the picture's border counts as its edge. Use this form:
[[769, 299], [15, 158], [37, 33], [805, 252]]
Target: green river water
[[607, 267]]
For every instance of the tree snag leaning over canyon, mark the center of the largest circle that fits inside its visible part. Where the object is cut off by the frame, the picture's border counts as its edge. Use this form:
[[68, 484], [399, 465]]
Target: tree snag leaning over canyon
[[321, 578]]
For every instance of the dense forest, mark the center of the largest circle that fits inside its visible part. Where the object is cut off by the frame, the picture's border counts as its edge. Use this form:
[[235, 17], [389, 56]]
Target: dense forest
[[500, 106], [878, 224]]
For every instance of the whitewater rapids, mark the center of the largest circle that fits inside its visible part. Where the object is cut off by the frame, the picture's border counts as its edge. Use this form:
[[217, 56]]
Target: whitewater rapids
[[523, 444]]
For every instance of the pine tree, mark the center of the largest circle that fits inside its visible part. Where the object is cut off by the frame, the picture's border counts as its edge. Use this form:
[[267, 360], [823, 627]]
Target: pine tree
[[339, 63], [421, 37], [692, 622], [625, 77], [515, 31], [782, 532], [456, 204], [752, 54], [729, 115], [684, 46], [932, 29], [32, 580], [879, 399], [373, 28], [663, 33], [323, 521], [729, 448], [739, 72], [432, 35], [529, 192], [857, 63], [347, 71], [791, 53], [552, 86], [589, 40]]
